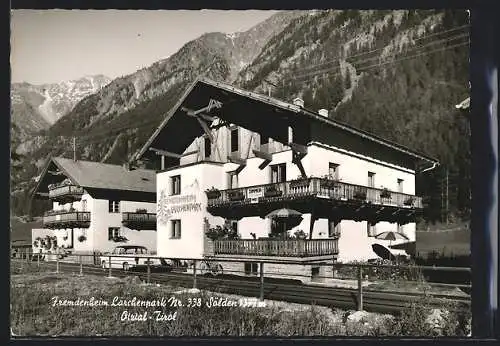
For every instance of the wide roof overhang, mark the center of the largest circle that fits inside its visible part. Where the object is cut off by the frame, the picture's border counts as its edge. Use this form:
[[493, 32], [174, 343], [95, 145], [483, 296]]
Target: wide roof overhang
[[257, 113]]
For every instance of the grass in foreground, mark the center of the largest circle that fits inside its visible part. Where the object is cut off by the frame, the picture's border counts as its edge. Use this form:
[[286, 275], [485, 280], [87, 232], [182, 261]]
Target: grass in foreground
[[33, 314]]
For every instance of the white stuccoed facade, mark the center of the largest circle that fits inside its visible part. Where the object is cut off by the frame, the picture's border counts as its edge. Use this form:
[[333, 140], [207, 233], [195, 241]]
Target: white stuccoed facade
[[100, 220], [354, 242]]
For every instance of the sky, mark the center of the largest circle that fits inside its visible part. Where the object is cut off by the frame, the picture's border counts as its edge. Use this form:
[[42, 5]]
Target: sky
[[51, 46]]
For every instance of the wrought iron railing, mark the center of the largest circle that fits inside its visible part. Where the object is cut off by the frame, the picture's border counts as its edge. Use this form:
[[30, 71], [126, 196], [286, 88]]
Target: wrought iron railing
[[66, 217], [318, 187], [139, 217], [65, 190]]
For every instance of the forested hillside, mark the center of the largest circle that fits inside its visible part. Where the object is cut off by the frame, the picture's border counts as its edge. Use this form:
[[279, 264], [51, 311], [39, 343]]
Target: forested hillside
[[397, 74]]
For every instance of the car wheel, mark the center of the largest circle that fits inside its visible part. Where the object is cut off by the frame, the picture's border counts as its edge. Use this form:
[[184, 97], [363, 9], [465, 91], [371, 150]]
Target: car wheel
[[217, 269], [126, 267]]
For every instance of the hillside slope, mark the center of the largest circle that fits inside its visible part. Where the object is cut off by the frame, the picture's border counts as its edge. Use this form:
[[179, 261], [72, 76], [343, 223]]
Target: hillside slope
[[397, 74]]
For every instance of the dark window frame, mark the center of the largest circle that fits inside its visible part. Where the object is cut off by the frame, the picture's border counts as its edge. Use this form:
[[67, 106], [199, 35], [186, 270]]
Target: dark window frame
[[173, 234], [112, 234], [114, 206], [175, 185], [207, 147], [234, 143]]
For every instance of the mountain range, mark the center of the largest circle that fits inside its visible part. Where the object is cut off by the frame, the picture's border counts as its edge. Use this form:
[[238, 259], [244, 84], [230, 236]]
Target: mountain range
[[37, 107], [397, 74]]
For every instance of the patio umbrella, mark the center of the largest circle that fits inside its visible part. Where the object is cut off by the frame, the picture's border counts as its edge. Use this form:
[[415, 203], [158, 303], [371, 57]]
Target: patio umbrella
[[391, 236], [383, 252], [284, 214]]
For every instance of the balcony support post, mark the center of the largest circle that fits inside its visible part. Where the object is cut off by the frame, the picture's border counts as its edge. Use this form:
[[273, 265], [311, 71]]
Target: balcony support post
[[311, 223]]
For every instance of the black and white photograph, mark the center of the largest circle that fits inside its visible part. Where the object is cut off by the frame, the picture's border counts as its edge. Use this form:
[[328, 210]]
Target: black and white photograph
[[236, 173]]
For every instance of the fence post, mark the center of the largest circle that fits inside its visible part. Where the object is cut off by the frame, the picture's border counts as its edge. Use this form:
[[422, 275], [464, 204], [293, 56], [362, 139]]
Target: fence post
[[149, 272], [360, 288], [57, 264], [38, 260], [109, 275], [261, 281], [194, 274], [81, 265]]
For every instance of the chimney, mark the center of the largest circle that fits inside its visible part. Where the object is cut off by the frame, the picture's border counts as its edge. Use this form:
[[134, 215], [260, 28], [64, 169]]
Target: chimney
[[323, 112], [298, 102]]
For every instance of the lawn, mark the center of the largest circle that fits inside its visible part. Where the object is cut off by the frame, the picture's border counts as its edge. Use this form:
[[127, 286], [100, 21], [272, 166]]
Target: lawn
[[36, 311]]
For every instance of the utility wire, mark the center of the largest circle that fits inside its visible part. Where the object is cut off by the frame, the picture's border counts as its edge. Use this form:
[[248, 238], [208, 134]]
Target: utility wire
[[365, 68], [379, 49], [412, 50]]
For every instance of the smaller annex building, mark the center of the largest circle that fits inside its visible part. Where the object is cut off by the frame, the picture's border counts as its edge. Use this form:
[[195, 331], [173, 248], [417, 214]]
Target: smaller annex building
[[95, 207]]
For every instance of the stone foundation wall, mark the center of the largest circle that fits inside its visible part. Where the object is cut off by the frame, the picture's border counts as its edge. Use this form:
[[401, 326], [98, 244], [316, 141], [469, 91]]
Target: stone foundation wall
[[299, 272]]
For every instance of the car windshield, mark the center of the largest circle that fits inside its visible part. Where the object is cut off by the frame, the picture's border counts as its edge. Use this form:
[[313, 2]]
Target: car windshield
[[132, 250], [119, 251]]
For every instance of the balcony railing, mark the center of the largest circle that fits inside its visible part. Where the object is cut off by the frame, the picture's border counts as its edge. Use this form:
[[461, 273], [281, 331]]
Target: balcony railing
[[139, 221], [66, 192], [67, 219], [315, 187], [278, 248]]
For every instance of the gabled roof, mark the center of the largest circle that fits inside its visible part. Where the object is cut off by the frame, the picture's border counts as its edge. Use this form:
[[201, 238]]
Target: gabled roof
[[264, 114], [99, 176]]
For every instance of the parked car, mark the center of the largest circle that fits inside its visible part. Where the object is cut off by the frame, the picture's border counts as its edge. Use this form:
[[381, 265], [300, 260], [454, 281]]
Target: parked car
[[129, 256]]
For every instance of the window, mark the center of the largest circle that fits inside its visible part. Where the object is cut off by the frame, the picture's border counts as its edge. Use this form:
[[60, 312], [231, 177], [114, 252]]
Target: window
[[251, 268], [208, 147], [333, 229], [333, 171], [234, 139], [114, 206], [400, 185], [315, 272], [278, 173], [234, 225], [113, 232], [176, 185], [264, 139], [176, 229], [371, 230], [232, 180], [371, 179]]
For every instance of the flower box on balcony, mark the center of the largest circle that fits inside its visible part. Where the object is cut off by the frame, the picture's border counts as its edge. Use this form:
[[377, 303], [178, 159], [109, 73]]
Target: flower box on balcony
[[385, 194], [272, 192], [119, 239], [300, 182], [213, 193], [141, 211], [236, 196], [328, 183], [360, 195], [409, 201]]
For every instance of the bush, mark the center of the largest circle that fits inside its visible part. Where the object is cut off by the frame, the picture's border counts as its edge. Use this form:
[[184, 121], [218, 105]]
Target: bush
[[408, 272], [421, 319]]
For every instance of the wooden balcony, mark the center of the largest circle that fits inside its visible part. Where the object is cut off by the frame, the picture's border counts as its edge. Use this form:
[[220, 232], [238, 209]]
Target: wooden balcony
[[66, 193], [328, 199], [277, 247], [139, 221], [67, 219]]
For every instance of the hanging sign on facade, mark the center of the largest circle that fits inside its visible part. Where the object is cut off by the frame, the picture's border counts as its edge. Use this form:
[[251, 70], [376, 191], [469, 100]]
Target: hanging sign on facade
[[254, 193], [172, 206]]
